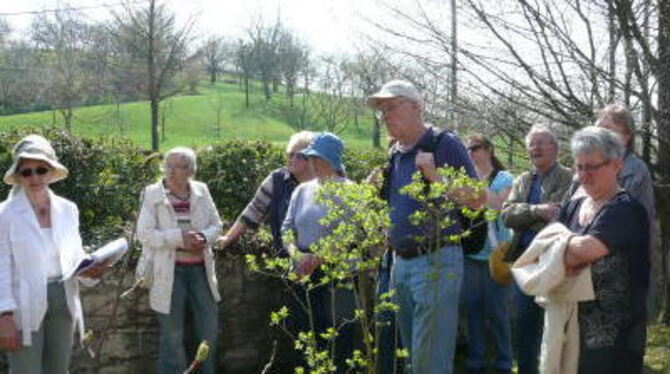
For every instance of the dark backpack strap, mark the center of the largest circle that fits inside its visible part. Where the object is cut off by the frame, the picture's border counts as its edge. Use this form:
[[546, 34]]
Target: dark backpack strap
[[276, 216]]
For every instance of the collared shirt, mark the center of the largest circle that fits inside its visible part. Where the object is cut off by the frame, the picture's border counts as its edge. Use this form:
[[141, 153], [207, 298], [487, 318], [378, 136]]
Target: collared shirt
[[534, 197], [450, 152]]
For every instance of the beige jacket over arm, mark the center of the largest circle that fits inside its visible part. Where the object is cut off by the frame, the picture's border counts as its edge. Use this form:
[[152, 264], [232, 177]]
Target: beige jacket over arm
[[160, 236], [540, 272]]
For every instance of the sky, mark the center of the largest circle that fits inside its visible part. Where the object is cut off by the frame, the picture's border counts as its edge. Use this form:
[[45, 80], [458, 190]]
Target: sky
[[330, 26]]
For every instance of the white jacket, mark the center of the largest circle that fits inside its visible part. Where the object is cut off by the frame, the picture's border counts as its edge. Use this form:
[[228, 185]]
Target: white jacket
[[540, 271], [160, 235], [23, 262]]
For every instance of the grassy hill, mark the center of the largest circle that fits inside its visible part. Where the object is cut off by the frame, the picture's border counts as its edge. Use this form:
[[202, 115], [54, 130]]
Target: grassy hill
[[191, 119]]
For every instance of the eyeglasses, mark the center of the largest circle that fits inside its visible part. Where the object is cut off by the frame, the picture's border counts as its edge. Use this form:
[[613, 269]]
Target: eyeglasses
[[297, 155], [590, 168], [475, 148], [381, 112], [176, 167], [27, 172]]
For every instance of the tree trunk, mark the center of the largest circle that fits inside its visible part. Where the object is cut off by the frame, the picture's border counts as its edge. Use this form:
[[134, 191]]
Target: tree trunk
[[246, 90], [67, 118], [663, 126], [376, 134], [454, 67], [154, 103], [154, 92], [212, 77]]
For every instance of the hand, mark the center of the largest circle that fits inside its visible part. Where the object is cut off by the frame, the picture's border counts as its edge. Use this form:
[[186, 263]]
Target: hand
[[573, 271], [548, 212], [95, 271], [194, 242], [375, 177], [222, 242], [425, 162], [10, 339], [306, 264], [469, 197]]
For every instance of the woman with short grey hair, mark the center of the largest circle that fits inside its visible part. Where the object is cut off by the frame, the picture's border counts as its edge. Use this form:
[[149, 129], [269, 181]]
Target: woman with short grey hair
[[611, 236], [186, 154], [178, 222]]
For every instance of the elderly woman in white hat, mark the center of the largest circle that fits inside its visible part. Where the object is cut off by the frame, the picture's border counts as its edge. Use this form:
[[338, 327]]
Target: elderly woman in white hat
[[178, 223], [39, 242]]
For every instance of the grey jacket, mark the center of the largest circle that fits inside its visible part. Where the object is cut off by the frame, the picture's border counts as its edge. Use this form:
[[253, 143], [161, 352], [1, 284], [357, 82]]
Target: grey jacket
[[519, 215]]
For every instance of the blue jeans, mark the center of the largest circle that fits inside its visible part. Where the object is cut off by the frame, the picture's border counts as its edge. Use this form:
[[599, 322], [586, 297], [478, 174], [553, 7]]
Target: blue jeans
[[427, 291], [486, 299], [189, 290], [52, 343], [529, 321], [387, 330]]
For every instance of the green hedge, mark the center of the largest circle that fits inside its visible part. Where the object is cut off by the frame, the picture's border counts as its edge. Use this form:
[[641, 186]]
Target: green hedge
[[107, 175]]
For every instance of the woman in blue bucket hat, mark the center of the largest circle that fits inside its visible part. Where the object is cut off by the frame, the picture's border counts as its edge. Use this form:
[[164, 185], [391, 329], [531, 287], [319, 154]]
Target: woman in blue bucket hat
[[303, 219]]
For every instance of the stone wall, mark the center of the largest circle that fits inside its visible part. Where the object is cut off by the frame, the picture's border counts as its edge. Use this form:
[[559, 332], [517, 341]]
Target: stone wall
[[131, 345]]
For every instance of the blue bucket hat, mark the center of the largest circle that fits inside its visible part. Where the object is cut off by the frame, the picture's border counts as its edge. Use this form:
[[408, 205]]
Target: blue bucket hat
[[328, 147]]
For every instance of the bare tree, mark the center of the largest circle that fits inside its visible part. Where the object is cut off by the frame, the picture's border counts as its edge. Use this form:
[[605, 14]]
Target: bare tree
[[329, 108], [292, 55], [265, 42], [244, 60], [213, 53], [370, 70], [152, 35], [62, 39]]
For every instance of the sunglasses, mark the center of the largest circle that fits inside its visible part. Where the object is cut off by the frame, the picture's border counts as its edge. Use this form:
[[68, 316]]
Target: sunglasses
[[475, 148], [27, 172]]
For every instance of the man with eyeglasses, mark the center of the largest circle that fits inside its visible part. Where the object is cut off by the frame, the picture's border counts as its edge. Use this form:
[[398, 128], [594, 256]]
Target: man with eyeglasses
[[533, 202], [427, 283], [273, 195], [269, 205]]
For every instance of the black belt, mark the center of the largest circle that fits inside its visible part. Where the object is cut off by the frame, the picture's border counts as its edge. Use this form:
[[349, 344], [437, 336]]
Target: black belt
[[418, 251]]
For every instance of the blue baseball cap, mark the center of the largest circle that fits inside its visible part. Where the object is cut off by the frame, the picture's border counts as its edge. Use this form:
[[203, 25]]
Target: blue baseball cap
[[328, 147]]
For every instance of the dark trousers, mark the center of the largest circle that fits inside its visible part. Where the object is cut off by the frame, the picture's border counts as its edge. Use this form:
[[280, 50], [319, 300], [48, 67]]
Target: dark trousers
[[529, 320]]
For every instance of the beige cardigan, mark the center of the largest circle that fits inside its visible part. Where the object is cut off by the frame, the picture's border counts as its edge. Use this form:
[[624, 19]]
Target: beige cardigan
[[160, 236], [540, 271]]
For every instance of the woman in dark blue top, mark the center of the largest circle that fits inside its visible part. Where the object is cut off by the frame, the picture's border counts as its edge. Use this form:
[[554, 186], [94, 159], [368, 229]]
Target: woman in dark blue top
[[612, 237]]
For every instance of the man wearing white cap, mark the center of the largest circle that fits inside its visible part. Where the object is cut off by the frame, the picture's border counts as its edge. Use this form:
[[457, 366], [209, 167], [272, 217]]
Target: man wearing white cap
[[427, 284]]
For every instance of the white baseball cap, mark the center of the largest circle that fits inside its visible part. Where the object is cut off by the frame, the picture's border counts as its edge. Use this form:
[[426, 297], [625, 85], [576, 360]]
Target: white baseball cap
[[394, 88]]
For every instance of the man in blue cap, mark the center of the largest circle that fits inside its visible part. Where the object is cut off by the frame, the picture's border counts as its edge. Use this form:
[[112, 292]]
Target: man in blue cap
[[427, 284]]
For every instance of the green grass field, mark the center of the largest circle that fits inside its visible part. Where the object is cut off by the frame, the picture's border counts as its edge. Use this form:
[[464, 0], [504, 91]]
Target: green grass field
[[191, 119]]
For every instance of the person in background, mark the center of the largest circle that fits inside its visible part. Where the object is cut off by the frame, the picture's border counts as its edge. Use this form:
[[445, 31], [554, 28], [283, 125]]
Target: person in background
[[39, 243], [427, 284], [533, 202], [270, 202], [486, 299], [177, 224], [611, 236], [269, 205], [303, 219], [636, 179]]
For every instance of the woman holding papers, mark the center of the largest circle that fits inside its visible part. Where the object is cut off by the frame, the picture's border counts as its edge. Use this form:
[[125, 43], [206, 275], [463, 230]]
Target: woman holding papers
[[612, 233], [39, 243], [177, 224]]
